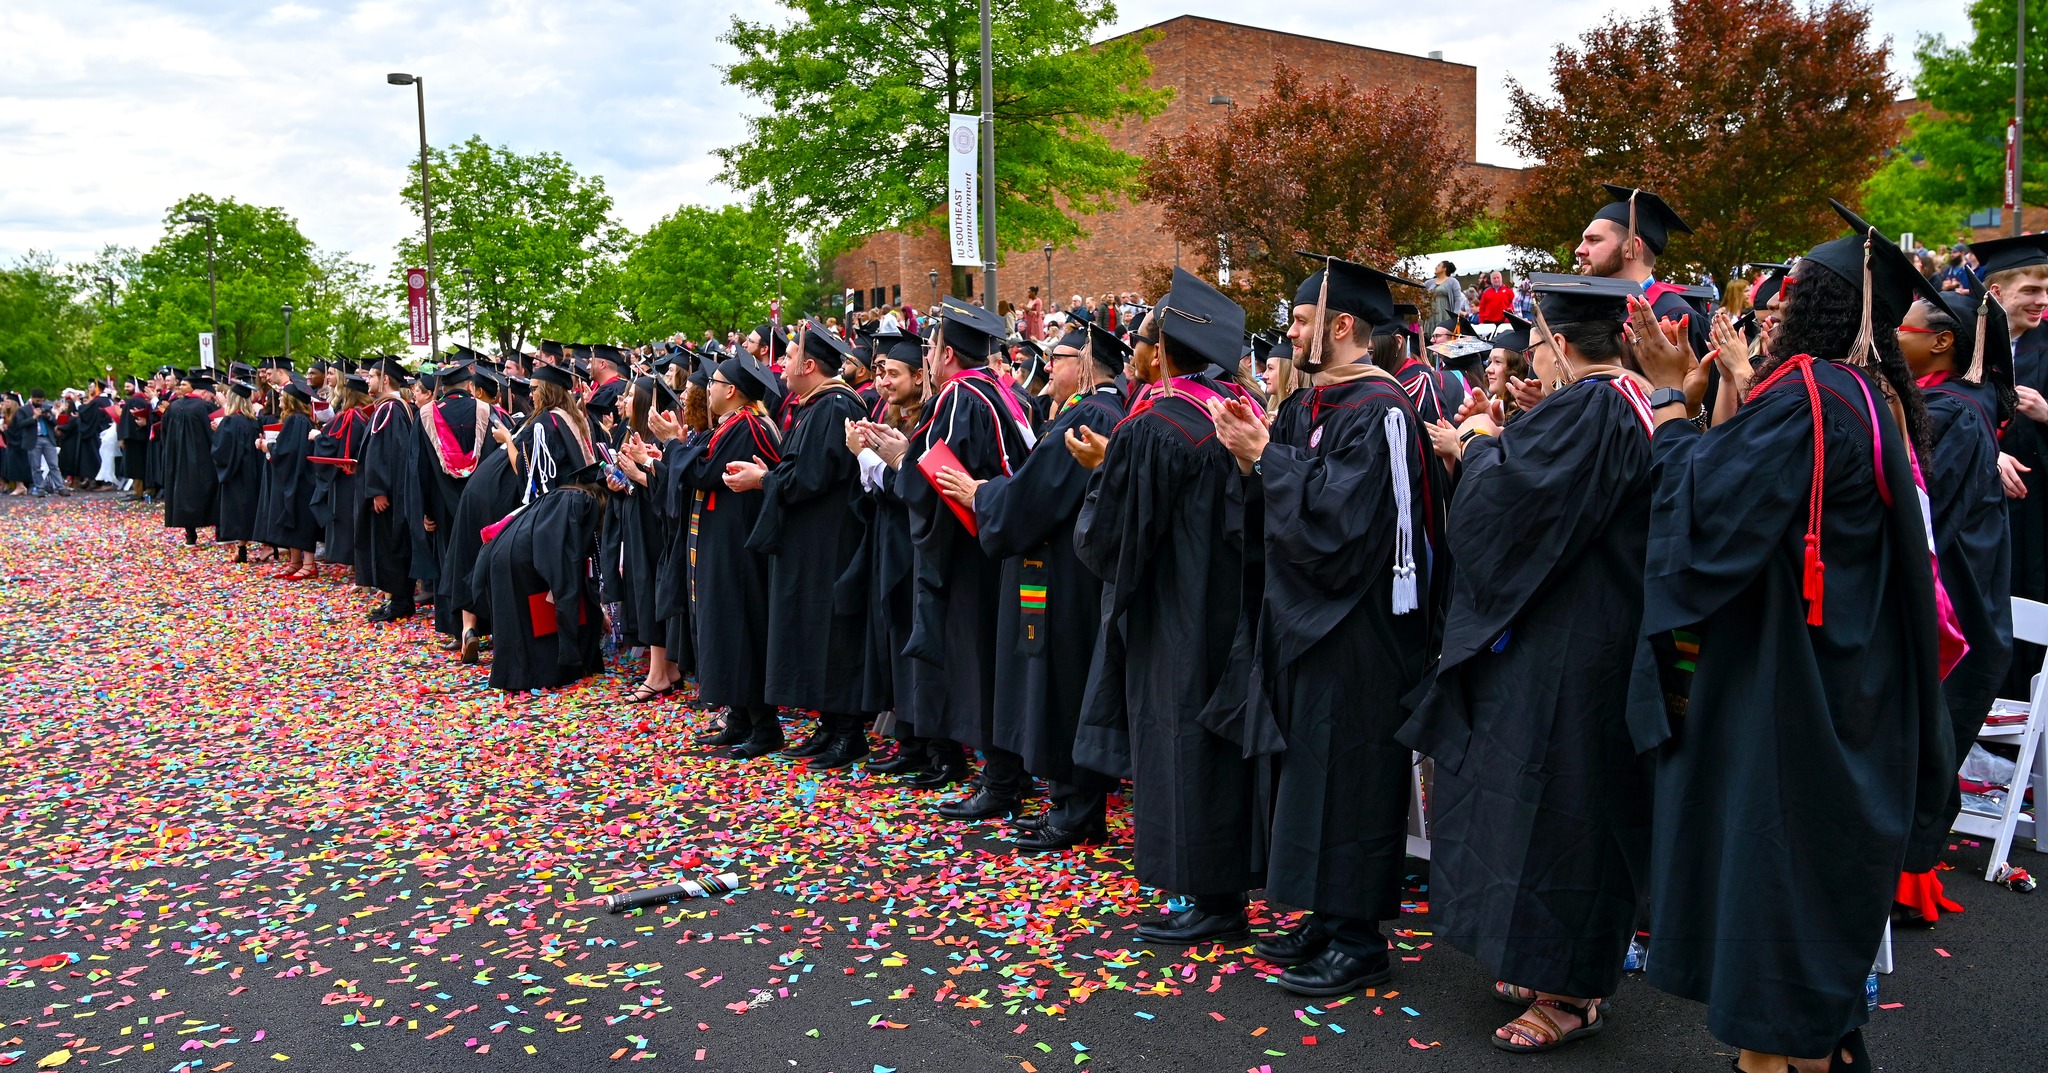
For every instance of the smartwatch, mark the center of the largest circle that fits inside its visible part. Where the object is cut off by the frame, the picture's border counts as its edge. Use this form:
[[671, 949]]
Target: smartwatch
[[1667, 396]]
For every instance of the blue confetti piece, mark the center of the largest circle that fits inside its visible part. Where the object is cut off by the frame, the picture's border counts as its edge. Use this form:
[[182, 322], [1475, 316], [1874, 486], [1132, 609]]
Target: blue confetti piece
[[1410, 1011]]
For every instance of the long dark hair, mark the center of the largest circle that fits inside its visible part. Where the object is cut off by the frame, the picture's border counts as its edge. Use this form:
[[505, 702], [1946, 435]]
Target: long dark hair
[[1822, 316]]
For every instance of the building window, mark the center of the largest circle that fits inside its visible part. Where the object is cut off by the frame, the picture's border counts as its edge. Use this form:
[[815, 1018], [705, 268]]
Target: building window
[[877, 295], [1988, 218], [896, 294]]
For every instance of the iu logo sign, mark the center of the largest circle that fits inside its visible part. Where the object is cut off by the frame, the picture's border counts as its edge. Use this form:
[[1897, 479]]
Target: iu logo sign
[[963, 138], [418, 319], [416, 281]]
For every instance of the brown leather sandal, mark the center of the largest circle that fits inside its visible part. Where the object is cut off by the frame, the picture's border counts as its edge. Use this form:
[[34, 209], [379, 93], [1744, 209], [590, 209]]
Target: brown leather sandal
[[1543, 1033]]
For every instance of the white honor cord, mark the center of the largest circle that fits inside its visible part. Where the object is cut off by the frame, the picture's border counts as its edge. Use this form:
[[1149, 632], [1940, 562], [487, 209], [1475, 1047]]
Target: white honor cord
[[1404, 535], [540, 473]]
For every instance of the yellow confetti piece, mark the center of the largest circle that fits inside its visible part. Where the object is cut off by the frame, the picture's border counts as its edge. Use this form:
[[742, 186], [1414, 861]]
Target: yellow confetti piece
[[54, 1059]]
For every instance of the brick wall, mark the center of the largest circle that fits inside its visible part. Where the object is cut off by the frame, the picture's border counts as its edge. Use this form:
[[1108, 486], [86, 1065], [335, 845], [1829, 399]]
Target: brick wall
[[1201, 59]]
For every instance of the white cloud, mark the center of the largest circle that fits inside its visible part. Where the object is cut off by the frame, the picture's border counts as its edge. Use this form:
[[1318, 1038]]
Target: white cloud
[[111, 110]]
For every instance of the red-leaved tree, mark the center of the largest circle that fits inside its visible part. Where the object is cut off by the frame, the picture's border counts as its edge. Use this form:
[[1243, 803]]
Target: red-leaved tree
[[1369, 175], [1745, 115]]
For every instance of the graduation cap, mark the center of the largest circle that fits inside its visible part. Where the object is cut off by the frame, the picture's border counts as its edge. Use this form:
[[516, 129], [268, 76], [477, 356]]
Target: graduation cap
[[701, 375], [1342, 286], [553, 374], [462, 352], [299, 390], [772, 339], [1765, 290], [1515, 337], [1202, 318], [274, 361], [746, 373], [1464, 351], [1108, 352], [243, 388], [485, 378], [1567, 298], [2005, 254], [521, 387], [665, 399], [593, 473], [430, 378], [240, 370], [551, 348], [667, 358], [456, 374], [607, 352], [321, 365], [823, 345], [1405, 316], [347, 366], [391, 369], [970, 329], [1874, 265], [1641, 213], [356, 382], [200, 380], [1980, 330], [579, 353]]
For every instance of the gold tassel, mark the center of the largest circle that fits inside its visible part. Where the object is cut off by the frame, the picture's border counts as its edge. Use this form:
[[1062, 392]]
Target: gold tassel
[[1631, 218], [1976, 373], [1860, 351]]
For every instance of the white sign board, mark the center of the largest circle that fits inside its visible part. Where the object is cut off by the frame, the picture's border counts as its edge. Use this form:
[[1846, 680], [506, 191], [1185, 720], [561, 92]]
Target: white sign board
[[963, 224], [206, 350]]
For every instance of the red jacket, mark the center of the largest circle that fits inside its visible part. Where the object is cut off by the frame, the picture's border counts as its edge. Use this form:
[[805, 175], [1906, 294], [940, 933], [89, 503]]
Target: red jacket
[[1494, 304]]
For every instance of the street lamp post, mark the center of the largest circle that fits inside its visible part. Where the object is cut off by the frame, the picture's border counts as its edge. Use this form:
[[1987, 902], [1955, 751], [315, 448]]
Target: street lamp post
[[933, 275], [288, 338], [419, 86], [988, 163], [106, 284], [2019, 123], [212, 291], [1048, 274], [469, 286]]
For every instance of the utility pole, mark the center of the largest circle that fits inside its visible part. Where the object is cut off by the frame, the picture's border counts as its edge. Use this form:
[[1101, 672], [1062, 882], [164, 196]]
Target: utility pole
[[988, 164], [2019, 116]]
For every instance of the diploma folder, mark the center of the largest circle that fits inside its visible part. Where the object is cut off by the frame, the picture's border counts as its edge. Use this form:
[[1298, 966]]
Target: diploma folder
[[930, 463]]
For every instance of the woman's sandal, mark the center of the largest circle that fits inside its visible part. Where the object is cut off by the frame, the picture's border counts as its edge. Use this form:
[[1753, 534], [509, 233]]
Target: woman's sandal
[[1543, 1033], [643, 693], [1512, 994]]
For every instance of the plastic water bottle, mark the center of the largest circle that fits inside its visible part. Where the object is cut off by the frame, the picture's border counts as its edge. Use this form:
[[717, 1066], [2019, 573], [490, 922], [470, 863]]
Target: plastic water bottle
[[1870, 990], [1638, 958]]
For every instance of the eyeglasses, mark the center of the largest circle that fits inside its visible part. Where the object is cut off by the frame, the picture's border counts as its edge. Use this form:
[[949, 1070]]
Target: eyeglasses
[[724, 383]]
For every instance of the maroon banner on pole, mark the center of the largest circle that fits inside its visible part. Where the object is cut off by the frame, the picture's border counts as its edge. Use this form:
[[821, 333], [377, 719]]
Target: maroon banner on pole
[[2012, 164], [416, 305]]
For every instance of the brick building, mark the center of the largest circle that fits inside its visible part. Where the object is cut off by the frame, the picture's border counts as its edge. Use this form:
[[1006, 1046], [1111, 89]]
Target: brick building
[[1211, 65]]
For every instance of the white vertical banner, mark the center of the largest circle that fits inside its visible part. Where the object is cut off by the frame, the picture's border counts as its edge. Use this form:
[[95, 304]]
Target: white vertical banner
[[963, 199], [206, 350]]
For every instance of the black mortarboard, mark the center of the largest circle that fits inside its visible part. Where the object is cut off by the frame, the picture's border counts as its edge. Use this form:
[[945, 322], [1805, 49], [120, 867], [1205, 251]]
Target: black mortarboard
[[320, 365], [1563, 298], [667, 358], [1894, 282], [553, 374], [356, 382], [430, 378], [1075, 339], [1514, 337], [1342, 286], [823, 345], [521, 386], [970, 329], [2005, 254], [701, 376], [772, 338], [607, 352], [240, 370], [1405, 316], [274, 361], [1653, 219], [903, 347], [746, 373], [347, 366], [665, 398], [551, 348], [579, 353], [200, 379], [1766, 289], [1464, 352], [485, 379], [1201, 318], [1260, 345], [390, 367], [456, 374], [1988, 359], [1108, 352], [243, 388], [299, 390]]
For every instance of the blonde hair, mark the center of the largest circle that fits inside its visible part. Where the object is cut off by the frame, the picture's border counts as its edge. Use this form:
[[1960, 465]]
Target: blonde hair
[[232, 402]]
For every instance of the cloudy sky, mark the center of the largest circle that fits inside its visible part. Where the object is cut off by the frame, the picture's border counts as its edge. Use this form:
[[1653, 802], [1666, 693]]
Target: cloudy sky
[[110, 110]]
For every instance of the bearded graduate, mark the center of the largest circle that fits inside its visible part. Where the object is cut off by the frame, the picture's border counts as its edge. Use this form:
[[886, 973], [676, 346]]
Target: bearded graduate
[[810, 534], [729, 581], [1790, 540], [1166, 521], [1346, 628], [1540, 820], [1051, 604], [1962, 360]]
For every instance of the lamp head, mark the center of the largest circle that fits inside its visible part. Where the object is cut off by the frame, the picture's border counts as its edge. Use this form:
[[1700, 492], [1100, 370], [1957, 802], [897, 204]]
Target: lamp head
[[400, 79]]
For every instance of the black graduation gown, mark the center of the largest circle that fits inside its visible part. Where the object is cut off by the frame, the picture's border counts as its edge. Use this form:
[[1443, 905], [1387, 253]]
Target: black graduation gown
[[1334, 660], [2027, 441], [1165, 521], [135, 421], [547, 630], [334, 489], [883, 573], [284, 509], [492, 492], [21, 434], [69, 446], [384, 540], [1974, 545], [439, 493], [810, 534], [1807, 755], [956, 585], [729, 582], [1051, 605], [638, 535], [675, 500], [238, 464], [189, 482], [92, 421], [1540, 820]]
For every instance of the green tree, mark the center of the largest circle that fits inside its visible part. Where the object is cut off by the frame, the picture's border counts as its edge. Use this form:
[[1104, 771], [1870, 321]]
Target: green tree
[[262, 262], [539, 237], [350, 311], [1904, 197], [703, 269], [857, 92], [45, 330], [1960, 145]]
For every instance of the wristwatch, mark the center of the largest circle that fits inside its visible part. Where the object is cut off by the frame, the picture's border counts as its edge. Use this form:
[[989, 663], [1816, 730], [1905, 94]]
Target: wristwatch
[[1667, 396]]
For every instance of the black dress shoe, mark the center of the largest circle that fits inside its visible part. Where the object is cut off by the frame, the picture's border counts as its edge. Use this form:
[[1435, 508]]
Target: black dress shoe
[[1334, 972], [904, 759], [1049, 837], [1294, 947], [1031, 824], [938, 778], [382, 613], [242, 554], [760, 742], [819, 741], [983, 805], [847, 747], [1191, 926], [735, 732]]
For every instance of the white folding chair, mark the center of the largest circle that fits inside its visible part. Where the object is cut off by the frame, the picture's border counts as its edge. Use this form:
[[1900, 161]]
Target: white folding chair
[[2029, 623]]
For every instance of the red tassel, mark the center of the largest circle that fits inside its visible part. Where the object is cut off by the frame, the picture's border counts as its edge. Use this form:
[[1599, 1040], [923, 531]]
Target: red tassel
[[1815, 581]]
